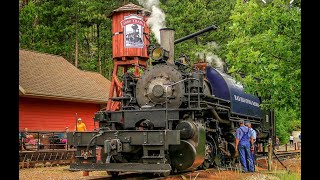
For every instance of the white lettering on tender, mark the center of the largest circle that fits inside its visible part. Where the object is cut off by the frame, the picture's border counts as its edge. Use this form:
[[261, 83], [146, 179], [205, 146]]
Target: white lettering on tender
[[244, 100]]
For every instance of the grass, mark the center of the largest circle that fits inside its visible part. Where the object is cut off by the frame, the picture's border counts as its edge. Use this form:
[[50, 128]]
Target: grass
[[283, 174], [288, 176]]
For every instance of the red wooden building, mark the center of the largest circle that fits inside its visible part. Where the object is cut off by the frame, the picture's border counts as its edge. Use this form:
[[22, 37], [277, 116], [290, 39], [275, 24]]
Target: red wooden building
[[52, 91]]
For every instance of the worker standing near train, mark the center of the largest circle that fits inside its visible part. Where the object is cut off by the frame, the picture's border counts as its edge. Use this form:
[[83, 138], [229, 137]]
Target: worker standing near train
[[80, 126], [253, 136], [243, 147]]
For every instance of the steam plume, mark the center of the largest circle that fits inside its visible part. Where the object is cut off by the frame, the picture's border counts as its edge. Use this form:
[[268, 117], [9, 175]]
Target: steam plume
[[211, 58], [156, 21]]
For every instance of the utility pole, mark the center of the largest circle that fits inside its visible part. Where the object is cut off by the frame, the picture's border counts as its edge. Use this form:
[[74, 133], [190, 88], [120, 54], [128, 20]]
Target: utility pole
[[269, 154]]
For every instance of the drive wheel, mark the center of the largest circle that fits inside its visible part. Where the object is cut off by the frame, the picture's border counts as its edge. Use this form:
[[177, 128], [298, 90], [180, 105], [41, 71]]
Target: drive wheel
[[165, 174], [210, 151], [113, 173]]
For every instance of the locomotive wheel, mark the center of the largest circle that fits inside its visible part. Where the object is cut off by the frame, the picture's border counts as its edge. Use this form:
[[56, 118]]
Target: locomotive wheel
[[210, 154], [217, 160], [208, 160], [113, 173], [165, 174]]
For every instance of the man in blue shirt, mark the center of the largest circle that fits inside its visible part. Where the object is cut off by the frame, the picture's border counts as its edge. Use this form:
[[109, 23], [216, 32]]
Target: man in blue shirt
[[243, 147], [253, 136]]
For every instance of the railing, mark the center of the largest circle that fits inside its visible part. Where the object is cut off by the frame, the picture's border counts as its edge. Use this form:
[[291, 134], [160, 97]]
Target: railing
[[173, 84], [43, 141], [295, 146]]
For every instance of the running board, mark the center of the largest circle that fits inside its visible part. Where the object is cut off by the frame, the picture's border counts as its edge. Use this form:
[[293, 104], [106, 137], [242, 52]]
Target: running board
[[122, 167]]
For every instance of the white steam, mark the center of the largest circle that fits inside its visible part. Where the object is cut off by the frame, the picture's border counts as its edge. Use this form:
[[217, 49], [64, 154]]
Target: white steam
[[156, 21], [148, 3], [211, 58]]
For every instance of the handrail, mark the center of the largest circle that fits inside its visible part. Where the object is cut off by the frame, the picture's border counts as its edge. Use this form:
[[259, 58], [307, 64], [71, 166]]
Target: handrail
[[166, 88]]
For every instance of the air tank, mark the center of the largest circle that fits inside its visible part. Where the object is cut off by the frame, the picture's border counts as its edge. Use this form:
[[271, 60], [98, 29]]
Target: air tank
[[225, 87]]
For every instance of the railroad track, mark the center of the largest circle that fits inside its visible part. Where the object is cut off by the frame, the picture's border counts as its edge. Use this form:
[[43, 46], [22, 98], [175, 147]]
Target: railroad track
[[281, 155], [137, 176], [287, 155], [140, 176], [53, 159]]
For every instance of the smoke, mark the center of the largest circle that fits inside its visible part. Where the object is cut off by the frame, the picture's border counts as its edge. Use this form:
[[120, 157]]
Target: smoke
[[148, 3], [156, 21], [212, 58], [215, 61]]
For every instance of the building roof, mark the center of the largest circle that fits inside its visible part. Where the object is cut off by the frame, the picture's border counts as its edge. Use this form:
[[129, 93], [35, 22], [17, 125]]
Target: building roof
[[130, 7], [51, 76]]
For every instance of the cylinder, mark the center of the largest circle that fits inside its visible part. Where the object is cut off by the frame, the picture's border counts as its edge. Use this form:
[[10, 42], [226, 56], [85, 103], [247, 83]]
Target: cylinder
[[187, 129], [190, 154], [167, 42], [183, 155]]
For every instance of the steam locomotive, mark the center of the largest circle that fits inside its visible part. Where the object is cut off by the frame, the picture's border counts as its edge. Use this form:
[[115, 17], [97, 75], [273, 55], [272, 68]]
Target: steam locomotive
[[174, 117]]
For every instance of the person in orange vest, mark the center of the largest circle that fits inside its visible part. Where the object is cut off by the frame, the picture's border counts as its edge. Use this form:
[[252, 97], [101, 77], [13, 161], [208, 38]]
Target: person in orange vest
[[80, 126]]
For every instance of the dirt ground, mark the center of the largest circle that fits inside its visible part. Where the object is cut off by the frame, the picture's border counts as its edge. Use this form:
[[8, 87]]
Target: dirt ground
[[262, 173]]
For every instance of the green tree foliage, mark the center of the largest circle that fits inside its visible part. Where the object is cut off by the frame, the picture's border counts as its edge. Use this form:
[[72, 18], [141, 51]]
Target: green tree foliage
[[261, 41], [286, 123], [190, 16], [54, 26], [46, 26], [267, 47]]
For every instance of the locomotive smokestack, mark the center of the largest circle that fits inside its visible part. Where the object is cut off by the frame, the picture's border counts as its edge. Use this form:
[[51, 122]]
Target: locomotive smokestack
[[167, 42]]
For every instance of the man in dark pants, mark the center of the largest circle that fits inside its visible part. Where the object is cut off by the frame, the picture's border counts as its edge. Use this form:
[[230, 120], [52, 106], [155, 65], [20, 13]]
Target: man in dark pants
[[243, 147], [253, 136]]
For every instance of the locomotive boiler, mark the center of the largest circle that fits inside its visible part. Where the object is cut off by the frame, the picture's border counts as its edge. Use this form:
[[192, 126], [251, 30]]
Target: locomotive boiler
[[174, 117]]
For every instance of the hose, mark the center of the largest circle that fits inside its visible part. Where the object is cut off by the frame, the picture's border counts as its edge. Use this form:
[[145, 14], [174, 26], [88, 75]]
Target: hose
[[279, 160], [85, 156]]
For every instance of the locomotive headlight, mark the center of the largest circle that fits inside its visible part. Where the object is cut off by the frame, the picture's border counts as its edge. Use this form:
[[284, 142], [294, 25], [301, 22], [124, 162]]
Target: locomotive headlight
[[159, 53]]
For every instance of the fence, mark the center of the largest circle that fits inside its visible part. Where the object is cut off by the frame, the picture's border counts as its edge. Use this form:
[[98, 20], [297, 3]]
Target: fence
[[43, 140], [296, 146]]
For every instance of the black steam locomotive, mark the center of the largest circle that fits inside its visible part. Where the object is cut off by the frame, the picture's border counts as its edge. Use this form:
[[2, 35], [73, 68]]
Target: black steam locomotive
[[174, 117]]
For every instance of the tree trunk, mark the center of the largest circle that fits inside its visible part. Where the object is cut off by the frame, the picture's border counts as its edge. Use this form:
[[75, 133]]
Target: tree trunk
[[99, 60], [76, 52]]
